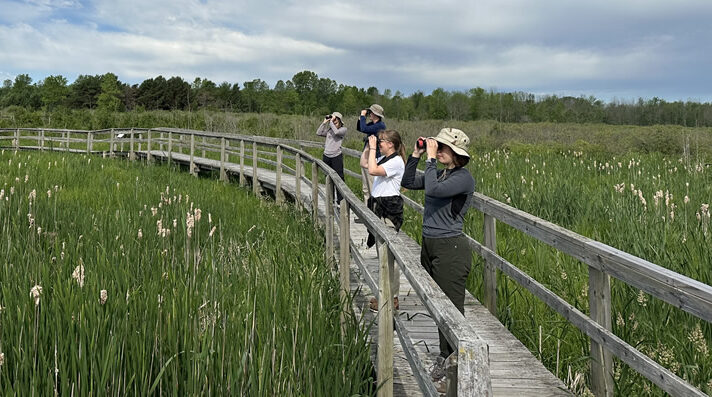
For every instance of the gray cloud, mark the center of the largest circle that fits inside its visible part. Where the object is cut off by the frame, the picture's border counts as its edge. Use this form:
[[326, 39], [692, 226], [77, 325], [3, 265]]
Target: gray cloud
[[606, 48]]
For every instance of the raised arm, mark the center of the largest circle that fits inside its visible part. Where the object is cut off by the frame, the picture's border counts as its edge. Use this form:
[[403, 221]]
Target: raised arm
[[458, 183], [322, 130], [411, 180]]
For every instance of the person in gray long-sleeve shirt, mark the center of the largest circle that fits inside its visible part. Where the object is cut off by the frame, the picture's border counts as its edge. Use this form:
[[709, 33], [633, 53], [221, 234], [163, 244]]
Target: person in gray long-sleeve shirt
[[333, 129], [445, 252]]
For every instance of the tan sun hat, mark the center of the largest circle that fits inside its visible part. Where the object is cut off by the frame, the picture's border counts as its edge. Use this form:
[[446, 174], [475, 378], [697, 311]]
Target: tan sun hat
[[455, 139], [337, 114], [377, 110]]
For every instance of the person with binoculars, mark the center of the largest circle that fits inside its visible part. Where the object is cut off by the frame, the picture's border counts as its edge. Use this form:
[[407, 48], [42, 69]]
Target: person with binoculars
[[445, 252], [385, 200], [370, 127], [334, 130]]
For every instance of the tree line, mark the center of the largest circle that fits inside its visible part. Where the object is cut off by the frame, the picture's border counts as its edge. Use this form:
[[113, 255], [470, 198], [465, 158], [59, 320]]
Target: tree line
[[308, 94]]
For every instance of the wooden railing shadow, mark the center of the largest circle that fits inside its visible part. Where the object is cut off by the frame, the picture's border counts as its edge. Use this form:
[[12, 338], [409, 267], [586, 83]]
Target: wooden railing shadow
[[473, 370]]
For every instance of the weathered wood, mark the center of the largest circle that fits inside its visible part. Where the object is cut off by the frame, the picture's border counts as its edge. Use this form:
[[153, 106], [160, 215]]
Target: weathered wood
[[89, 142], [160, 141], [384, 372], [678, 290], [42, 140], [255, 182], [243, 180], [344, 256], [111, 143], [203, 146], [223, 174], [132, 153], [315, 192], [329, 220], [66, 142], [472, 360], [17, 139], [170, 147], [599, 298], [278, 194], [489, 273], [298, 181], [192, 155], [149, 156]]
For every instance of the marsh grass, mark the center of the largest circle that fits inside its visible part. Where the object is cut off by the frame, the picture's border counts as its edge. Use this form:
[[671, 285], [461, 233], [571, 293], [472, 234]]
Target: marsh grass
[[188, 287]]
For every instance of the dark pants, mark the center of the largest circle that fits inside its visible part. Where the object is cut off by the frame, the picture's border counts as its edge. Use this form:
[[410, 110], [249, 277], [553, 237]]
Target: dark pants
[[337, 164], [448, 261]]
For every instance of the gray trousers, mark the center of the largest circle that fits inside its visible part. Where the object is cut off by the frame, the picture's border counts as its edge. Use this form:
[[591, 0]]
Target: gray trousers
[[448, 260]]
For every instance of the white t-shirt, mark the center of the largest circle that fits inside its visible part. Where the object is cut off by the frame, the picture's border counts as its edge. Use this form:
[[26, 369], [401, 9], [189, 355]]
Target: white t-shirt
[[389, 185]]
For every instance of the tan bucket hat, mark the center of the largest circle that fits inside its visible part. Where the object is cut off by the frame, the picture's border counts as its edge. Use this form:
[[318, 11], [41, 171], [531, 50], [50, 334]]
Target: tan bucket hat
[[456, 139], [377, 110], [337, 114]]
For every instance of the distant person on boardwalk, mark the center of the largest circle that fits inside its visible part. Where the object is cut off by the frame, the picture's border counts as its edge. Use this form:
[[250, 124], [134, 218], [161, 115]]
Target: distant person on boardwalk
[[445, 252], [385, 199], [333, 129], [370, 123]]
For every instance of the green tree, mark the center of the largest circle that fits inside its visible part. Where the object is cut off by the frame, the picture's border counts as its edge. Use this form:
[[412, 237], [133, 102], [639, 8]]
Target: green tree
[[54, 91], [84, 92], [110, 97]]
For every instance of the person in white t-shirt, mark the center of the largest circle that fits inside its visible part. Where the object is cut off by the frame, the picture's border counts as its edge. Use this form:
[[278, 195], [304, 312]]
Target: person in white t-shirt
[[385, 200]]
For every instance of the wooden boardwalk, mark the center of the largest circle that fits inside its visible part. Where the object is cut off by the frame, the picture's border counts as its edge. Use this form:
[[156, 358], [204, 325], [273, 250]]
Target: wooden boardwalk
[[514, 370]]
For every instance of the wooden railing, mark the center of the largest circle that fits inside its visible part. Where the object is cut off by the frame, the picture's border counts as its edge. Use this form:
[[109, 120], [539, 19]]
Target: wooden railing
[[472, 377]]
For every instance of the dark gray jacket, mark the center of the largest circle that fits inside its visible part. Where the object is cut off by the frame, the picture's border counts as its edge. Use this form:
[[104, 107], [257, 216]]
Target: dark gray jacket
[[448, 195]]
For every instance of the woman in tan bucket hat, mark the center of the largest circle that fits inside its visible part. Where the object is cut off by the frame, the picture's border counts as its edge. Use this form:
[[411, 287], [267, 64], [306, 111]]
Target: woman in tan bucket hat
[[445, 252]]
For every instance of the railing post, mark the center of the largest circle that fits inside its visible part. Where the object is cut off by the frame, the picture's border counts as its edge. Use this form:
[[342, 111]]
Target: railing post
[[132, 154], [278, 195], [42, 140], [329, 219], [192, 152], [111, 143], [384, 369], [170, 147], [89, 142], [66, 145], [149, 156], [315, 192], [298, 181], [490, 271], [255, 182], [344, 259], [599, 300], [243, 180], [160, 142], [473, 370], [203, 148], [223, 174]]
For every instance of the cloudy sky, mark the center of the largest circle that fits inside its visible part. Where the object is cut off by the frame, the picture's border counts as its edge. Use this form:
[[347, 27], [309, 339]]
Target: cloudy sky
[[612, 49]]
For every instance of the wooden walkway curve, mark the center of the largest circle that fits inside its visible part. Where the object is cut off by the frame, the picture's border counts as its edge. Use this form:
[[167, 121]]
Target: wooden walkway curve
[[514, 370]]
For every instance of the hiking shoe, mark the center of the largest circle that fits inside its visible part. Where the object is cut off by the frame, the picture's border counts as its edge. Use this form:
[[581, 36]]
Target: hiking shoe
[[437, 371], [373, 304], [441, 386]]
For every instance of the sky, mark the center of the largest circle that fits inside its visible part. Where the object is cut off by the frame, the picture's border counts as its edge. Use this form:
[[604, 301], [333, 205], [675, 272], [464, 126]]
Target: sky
[[615, 50]]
